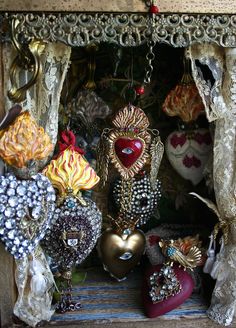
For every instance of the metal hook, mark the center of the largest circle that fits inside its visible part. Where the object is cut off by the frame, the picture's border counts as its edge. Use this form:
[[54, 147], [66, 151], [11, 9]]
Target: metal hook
[[28, 58]]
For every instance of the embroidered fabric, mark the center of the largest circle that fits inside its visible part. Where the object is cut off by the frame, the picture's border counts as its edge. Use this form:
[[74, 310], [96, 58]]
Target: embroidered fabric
[[219, 97]]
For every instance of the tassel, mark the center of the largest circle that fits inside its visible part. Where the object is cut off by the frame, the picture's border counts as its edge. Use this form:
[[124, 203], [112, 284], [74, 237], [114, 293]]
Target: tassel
[[210, 256], [216, 266]]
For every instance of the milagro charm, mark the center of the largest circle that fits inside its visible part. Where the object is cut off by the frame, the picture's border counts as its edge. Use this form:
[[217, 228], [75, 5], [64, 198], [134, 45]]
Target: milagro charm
[[77, 221], [167, 286], [121, 247], [128, 145]]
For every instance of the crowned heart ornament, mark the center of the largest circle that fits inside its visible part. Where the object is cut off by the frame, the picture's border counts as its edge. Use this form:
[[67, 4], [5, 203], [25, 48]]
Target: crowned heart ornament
[[121, 249], [120, 253], [188, 152], [77, 221]]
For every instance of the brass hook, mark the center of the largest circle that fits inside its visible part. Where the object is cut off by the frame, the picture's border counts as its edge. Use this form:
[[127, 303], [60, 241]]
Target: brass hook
[[90, 84], [28, 58]]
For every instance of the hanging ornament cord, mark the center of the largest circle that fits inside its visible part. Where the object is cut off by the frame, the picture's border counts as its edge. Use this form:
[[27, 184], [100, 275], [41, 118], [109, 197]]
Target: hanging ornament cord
[[150, 56], [66, 303]]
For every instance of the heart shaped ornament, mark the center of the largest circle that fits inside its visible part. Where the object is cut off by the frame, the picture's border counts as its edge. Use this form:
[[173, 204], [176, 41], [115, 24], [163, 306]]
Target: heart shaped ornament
[[120, 253], [128, 150], [26, 211], [180, 286], [188, 152]]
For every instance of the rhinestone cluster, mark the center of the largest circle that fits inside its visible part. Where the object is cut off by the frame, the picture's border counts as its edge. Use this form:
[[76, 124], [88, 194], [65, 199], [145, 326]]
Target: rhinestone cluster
[[144, 199], [69, 217], [163, 284], [26, 210]]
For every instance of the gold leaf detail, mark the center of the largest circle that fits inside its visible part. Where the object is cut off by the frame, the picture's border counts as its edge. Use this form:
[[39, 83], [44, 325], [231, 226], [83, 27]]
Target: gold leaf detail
[[23, 141]]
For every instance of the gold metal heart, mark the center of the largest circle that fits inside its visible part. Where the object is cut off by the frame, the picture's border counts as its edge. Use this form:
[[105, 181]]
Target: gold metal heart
[[121, 253]]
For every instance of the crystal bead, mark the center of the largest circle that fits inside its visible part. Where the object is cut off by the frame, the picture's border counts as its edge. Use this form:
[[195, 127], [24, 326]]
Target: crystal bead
[[13, 184], [21, 190], [9, 224], [10, 234], [2, 208], [20, 213], [40, 184], [11, 192], [13, 201], [8, 212], [36, 212], [33, 187]]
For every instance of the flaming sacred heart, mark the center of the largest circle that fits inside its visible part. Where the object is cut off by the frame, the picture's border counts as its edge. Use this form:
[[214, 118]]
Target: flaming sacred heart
[[120, 253], [188, 152], [128, 150]]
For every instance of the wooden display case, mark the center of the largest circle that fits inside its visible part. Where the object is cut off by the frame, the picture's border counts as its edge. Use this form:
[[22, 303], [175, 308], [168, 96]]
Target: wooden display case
[[179, 24]]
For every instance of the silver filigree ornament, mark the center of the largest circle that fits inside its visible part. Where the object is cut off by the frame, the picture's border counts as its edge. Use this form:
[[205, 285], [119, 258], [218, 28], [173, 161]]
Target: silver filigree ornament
[[73, 233], [26, 211], [163, 284], [144, 198]]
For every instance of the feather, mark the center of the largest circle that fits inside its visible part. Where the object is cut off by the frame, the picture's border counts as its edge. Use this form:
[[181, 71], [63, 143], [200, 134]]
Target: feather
[[156, 150], [208, 202]]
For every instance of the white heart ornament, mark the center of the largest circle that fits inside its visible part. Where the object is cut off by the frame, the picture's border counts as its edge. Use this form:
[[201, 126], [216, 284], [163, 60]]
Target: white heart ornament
[[188, 152]]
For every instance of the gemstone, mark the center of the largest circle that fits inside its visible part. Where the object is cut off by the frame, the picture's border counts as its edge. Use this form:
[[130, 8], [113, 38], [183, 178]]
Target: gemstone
[[20, 213], [36, 212], [11, 192], [33, 187], [2, 208], [13, 184], [11, 234], [40, 184], [127, 232], [128, 150], [8, 212], [13, 201], [21, 190], [71, 204], [9, 224]]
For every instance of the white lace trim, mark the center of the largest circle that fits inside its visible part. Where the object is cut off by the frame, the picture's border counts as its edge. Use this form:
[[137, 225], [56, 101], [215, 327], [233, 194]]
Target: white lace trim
[[219, 98]]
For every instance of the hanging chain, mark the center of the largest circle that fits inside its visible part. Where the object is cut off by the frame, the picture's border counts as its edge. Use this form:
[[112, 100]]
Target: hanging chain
[[66, 303], [153, 10], [126, 195], [150, 57]]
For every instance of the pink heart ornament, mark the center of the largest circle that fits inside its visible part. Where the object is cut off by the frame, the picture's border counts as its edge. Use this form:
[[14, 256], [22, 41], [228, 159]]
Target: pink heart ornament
[[172, 302], [188, 153]]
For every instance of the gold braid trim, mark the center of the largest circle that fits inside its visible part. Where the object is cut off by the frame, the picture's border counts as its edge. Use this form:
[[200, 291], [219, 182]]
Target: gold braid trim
[[223, 224]]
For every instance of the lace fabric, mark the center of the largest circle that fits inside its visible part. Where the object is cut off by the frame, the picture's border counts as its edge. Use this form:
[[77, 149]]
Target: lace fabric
[[42, 99], [219, 97], [34, 282]]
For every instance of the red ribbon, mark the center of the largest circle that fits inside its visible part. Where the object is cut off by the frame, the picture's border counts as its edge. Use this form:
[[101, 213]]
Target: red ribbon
[[68, 139]]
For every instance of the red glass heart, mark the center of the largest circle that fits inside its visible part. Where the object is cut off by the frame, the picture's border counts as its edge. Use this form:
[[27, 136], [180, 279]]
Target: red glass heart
[[172, 302], [128, 150]]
